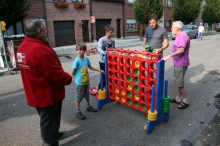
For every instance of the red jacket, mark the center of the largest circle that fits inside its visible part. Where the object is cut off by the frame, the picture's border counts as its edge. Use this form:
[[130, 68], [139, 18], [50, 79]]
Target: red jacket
[[42, 74]]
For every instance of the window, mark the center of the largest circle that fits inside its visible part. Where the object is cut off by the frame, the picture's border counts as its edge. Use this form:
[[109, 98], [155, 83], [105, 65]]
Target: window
[[168, 23], [131, 25], [131, 1], [77, 0], [15, 29], [169, 3], [59, 0]]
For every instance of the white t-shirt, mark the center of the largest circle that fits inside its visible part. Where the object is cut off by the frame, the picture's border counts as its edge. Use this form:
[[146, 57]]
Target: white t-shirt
[[201, 28]]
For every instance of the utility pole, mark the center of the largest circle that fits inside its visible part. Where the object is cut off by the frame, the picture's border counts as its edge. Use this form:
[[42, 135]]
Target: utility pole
[[91, 24]]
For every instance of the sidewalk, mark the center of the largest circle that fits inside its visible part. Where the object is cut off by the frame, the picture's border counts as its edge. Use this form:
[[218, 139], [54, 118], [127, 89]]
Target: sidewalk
[[120, 43]]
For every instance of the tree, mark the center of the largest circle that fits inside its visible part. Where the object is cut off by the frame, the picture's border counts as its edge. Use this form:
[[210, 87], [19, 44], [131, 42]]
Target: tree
[[211, 12], [144, 8], [186, 10], [13, 11]]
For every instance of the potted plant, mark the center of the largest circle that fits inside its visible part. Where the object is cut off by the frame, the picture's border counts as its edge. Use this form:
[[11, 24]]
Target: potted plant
[[80, 24], [79, 5], [61, 4]]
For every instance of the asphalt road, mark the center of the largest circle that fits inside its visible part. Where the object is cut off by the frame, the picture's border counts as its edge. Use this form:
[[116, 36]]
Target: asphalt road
[[116, 124]]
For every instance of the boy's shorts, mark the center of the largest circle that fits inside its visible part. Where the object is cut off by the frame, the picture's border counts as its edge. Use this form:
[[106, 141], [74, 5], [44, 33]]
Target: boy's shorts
[[179, 73], [82, 91]]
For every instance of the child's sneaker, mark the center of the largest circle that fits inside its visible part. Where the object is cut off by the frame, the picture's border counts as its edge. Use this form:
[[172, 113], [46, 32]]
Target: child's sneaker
[[91, 109], [80, 115]]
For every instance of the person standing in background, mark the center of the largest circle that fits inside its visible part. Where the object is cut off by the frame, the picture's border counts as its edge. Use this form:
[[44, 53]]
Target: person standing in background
[[200, 31]]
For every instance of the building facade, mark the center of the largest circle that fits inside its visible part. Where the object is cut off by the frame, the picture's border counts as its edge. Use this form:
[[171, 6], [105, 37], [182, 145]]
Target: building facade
[[71, 25]]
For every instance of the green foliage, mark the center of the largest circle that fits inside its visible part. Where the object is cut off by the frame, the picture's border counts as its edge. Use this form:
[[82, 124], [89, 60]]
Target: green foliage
[[217, 29], [13, 11], [211, 11], [186, 10], [144, 8]]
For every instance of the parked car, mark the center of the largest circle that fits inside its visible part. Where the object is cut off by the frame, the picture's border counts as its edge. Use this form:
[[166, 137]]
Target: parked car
[[190, 30]]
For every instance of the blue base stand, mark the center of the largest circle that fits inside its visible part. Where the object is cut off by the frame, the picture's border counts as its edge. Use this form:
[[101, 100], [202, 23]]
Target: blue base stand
[[151, 125], [159, 98], [101, 103]]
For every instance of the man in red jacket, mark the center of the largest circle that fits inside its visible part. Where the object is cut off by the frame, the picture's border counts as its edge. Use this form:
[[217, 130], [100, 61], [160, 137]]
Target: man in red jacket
[[43, 79]]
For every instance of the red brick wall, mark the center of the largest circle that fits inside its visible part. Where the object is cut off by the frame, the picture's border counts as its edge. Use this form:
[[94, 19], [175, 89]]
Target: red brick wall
[[167, 15], [108, 10], [36, 10], [57, 14], [128, 13]]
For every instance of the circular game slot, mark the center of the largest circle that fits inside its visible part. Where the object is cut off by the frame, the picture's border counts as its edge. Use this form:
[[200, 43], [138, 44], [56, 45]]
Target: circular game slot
[[144, 73], [122, 68], [152, 83], [110, 87], [116, 67], [136, 104], [110, 66], [150, 100], [129, 94], [123, 92], [143, 106], [116, 60], [136, 72], [110, 73], [129, 70], [153, 75], [116, 74], [129, 87], [154, 66], [129, 62], [136, 80], [123, 84], [145, 65], [136, 96], [129, 78], [117, 82], [110, 58], [116, 90], [110, 94], [144, 90], [110, 80], [144, 82], [122, 76], [136, 88], [129, 101], [144, 98], [123, 99], [136, 63], [117, 97], [122, 61]]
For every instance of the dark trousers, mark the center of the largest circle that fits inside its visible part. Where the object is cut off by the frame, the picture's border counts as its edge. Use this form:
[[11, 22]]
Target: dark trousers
[[102, 67], [50, 123]]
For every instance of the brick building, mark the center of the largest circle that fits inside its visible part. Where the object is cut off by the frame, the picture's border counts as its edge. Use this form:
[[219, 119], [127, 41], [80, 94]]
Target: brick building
[[63, 23]]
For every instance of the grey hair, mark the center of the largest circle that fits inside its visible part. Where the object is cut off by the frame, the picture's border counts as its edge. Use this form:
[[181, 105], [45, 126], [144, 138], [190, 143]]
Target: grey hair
[[33, 25], [178, 24]]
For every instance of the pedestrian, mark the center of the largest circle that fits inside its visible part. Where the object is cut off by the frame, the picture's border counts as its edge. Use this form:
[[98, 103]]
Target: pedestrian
[[43, 79], [200, 31], [156, 36], [104, 43], [80, 70], [180, 55]]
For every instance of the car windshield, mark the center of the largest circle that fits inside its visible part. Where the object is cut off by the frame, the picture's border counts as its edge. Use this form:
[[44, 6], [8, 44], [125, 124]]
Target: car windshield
[[185, 27]]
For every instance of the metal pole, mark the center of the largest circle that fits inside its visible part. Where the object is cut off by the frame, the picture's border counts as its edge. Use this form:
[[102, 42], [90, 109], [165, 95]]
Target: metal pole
[[3, 45], [90, 10]]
